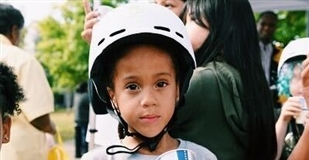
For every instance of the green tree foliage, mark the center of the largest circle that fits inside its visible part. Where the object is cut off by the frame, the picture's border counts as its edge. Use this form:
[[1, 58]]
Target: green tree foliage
[[292, 25], [61, 50]]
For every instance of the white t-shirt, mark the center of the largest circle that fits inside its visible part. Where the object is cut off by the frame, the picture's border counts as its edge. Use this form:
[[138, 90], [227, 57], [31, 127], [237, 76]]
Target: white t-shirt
[[107, 130], [27, 142], [200, 152]]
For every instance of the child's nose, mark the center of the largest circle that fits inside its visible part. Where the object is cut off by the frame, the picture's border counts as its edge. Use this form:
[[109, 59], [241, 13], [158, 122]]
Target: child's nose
[[148, 98]]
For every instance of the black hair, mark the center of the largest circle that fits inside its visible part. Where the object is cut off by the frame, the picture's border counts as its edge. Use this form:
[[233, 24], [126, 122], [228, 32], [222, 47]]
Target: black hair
[[233, 37], [183, 13], [262, 14], [9, 17], [82, 87], [10, 92]]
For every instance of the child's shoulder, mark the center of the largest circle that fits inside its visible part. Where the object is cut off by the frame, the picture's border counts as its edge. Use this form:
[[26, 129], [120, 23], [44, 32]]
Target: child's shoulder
[[96, 154], [100, 154], [201, 152]]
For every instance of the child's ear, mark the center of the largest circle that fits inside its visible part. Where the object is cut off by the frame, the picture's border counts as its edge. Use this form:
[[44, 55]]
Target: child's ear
[[6, 124], [111, 94]]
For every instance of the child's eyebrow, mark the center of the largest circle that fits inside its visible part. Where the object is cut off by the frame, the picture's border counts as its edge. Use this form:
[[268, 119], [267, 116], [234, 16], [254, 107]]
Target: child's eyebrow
[[164, 74], [132, 76], [129, 77]]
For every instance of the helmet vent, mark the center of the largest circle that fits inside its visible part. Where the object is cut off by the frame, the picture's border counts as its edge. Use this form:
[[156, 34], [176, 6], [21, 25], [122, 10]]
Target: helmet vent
[[178, 34], [101, 41], [162, 28], [117, 32]]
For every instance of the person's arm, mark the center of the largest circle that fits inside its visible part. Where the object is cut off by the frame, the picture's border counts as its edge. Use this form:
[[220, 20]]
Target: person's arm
[[39, 97], [301, 150], [305, 79], [91, 18], [281, 128], [44, 124], [289, 109]]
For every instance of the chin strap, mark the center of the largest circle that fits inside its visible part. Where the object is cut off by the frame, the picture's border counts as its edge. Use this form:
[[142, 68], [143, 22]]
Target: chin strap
[[151, 143]]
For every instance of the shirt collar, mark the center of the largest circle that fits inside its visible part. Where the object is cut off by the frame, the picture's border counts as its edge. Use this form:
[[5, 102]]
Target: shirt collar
[[5, 40]]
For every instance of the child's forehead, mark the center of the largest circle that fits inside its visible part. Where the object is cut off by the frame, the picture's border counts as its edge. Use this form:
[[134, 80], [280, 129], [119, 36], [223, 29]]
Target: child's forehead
[[146, 50], [146, 55]]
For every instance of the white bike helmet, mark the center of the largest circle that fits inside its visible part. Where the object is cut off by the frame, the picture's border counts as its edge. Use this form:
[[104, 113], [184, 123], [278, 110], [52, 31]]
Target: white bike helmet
[[125, 26], [130, 24], [298, 47]]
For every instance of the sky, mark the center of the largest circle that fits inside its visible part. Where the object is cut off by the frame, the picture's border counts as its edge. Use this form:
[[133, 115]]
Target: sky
[[34, 10]]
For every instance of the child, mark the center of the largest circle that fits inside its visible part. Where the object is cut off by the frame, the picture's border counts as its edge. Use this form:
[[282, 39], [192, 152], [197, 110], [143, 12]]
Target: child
[[10, 95], [301, 150], [228, 109], [290, 91], [140, 66]]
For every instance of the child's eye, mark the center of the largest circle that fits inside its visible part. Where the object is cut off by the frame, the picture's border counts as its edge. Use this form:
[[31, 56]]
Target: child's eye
[[162, 84], [168, 5], [132, 87]]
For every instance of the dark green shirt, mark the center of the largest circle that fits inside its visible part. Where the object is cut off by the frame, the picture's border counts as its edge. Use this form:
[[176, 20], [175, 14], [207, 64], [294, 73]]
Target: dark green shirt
[[213, 116]]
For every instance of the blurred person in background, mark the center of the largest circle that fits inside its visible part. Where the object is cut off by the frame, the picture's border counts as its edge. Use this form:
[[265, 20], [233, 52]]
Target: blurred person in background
[[301, 150], [81, 110], [270, 53], [290, 88], [92, 16], [28, 131], [177, 6]]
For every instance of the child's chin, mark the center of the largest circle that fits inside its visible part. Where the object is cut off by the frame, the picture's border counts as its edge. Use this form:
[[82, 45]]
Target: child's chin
[[151, 134]]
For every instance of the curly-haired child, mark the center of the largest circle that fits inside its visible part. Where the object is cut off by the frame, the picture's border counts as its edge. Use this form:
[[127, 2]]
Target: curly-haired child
[[10, 96]]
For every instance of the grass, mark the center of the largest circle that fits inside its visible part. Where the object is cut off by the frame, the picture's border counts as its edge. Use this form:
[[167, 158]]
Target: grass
[[64, 121]]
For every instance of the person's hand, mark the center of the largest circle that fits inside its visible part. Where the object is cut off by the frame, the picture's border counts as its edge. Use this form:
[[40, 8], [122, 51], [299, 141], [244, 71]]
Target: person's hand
[[305, 72], [54, 129], [91, 18], [50, 140], [306, 122], [291, 108], [305, 79]]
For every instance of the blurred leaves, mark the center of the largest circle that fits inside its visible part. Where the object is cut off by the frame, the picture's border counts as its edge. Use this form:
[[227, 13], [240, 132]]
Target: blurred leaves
[[61, 49], [291, 25]]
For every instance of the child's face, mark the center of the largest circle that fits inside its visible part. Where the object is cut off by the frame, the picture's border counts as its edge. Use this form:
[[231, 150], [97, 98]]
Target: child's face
[[197, 33], [174, 5], [295, 83], [145, 89], [5, 125]]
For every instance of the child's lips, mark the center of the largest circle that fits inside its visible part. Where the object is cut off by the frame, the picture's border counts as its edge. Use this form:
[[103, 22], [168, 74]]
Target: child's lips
[[150, 118]]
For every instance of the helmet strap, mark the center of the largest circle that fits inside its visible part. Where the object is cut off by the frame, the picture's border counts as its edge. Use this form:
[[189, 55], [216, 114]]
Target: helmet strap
[[151, 143]]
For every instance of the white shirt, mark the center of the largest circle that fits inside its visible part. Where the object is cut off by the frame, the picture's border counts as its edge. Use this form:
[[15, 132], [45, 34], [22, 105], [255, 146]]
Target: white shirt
[[200, 152], [27, 142], [266, 52]]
